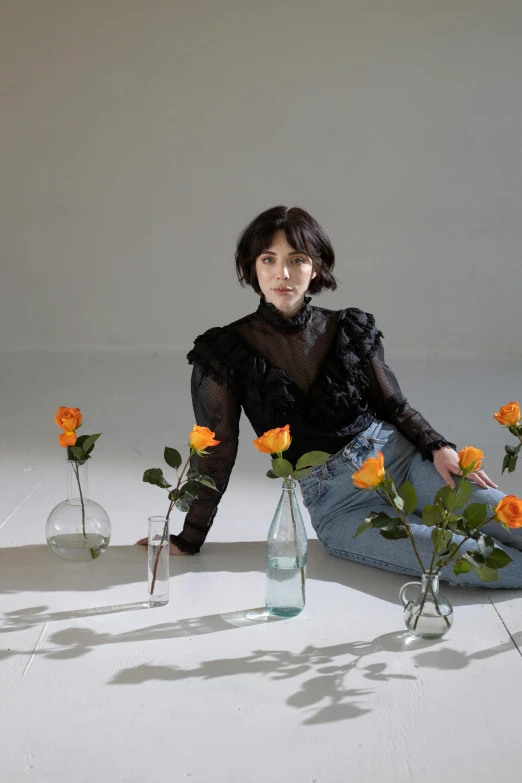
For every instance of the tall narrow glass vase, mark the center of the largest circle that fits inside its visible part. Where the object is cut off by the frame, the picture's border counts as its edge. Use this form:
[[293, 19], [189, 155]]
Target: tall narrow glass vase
[[287, 548], [158, 549], [78, 529]]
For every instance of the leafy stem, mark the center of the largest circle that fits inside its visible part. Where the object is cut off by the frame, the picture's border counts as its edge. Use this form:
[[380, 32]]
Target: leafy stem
[[166, 526]]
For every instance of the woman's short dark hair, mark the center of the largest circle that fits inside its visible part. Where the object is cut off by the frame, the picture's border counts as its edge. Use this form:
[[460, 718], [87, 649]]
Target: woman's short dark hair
[[302, 232]]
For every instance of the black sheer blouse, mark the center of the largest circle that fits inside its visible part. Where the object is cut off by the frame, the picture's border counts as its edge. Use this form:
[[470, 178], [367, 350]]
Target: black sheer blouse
[[322, 372]]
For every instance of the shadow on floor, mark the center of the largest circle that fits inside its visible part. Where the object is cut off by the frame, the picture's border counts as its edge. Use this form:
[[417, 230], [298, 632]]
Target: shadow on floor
[[322, 693], [35, 568]]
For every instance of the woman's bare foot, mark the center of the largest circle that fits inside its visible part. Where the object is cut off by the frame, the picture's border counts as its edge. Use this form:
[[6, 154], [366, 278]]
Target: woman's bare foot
[[173, 549]]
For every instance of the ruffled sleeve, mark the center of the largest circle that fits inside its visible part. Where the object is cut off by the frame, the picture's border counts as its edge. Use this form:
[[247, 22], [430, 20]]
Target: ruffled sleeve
[[389, 403]]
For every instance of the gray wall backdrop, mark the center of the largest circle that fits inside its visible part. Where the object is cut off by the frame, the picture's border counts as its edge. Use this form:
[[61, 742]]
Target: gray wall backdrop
[[139, 136]]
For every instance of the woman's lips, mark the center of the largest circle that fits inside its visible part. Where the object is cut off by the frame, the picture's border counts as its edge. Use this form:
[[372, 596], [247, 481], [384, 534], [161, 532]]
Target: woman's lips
[[282, 290]]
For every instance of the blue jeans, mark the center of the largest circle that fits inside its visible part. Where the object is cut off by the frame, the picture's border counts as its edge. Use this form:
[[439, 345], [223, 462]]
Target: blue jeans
[[337, 508]]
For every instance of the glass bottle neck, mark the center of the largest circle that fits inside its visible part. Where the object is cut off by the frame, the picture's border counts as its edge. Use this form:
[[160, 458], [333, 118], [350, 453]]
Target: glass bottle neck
[[77, 481], [288, 484], [431, 580]]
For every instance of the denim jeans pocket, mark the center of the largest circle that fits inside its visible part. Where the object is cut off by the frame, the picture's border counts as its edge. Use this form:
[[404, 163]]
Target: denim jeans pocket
[[312, 487]]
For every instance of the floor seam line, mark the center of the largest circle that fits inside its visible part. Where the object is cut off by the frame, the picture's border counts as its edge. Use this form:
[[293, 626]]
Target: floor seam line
[[504, 624], [36, 648], [29, 495]]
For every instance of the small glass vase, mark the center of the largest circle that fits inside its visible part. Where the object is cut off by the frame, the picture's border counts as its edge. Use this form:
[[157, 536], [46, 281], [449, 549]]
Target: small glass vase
[[427, 614], [287, 548], [158, 550], [78, 529]]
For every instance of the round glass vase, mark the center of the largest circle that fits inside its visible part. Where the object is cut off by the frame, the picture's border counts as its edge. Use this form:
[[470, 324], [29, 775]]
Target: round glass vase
[[78, 529], [427, 614]]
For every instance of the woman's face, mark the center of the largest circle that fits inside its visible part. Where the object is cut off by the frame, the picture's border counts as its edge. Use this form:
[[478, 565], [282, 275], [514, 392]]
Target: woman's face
[[284, 275]]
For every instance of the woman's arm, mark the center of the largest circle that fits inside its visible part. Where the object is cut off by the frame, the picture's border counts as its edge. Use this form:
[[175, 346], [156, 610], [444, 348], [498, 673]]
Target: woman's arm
[[217, 408], [389, 403]]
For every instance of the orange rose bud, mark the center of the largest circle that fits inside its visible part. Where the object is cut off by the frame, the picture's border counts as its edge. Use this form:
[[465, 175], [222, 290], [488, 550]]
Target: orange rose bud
[[468, 456], [67, 439], [201, 438], [508, 415], [509, 511], [371, 473], [274, 441], [68, 419]]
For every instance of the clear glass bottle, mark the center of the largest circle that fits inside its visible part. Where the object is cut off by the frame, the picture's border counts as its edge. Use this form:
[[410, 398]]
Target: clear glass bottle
[[427, 613], [78, 529], [158, 551], [287, 548]]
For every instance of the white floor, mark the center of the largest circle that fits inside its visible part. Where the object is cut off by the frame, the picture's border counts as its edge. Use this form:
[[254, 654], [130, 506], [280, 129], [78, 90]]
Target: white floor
[[95, 686]]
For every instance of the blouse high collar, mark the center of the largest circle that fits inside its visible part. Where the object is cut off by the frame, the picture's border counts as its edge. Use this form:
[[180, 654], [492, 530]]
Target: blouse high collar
[[269, 313]]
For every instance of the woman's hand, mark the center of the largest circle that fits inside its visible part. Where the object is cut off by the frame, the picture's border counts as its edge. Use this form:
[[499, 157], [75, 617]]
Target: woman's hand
[[173, 549], [446, 460]]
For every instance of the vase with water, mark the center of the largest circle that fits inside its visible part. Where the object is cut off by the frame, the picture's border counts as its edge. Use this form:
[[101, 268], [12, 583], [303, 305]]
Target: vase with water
[[427, 614], [78, 529], [287, 548]]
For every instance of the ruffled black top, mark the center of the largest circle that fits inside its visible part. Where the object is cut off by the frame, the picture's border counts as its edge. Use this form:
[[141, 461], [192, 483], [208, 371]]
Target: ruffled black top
[[322, 372]]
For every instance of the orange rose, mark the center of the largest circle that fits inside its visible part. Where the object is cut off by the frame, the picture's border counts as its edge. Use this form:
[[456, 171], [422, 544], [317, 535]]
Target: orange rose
[[274, 441], [508, 414], [509, 511], [371, 473], [201, 437], [468, 456], [68, 419], [67, 439]]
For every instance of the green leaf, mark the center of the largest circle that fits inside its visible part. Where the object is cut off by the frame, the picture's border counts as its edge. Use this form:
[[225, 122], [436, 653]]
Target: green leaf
[[498, 559], [512, 464], [77, 453], [207, 481], [475, 557], [475, 514], [381, 519], [173, 494], [431, 515], [461, 567], [282, 467], [272, 474], [89, 442], [393, 535], [445, 497], [457, 525], [193, 473], [486, 546], [155, 476], [172, 457], [462, 494], [311, 459], [505, 462], [485, 573], [366, 525], [299, 474], [181, 505], [190, 488], [81, 440], [409, 496], [511, 450]]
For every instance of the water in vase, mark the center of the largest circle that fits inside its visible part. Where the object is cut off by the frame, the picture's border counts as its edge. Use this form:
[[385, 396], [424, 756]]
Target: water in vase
[[285, 586]]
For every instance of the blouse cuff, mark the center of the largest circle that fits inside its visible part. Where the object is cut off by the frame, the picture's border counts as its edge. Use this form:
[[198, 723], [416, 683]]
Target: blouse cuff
[[189, 549], [428, 449]]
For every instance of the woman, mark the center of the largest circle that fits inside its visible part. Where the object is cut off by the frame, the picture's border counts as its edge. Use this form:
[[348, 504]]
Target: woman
[[323, 372]]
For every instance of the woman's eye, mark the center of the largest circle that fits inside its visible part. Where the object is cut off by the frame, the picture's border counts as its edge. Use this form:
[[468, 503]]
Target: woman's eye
[[299, 260]]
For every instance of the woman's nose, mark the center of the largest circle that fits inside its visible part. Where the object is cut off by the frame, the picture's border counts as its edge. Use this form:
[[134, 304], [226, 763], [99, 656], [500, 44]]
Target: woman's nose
[[282, 272]]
